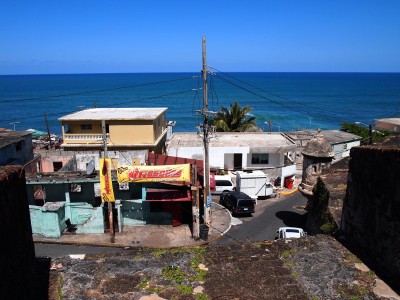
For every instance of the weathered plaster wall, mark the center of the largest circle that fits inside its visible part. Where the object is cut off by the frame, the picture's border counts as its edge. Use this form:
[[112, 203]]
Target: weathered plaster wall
[[17, 259], [372, 205]]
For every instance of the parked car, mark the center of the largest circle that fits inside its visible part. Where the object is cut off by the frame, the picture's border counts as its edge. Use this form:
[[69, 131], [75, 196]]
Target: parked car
[[290, 233], [223, 183], [237, 202]]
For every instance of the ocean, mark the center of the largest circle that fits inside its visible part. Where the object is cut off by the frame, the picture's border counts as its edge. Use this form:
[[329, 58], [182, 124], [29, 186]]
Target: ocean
[[291, 101]]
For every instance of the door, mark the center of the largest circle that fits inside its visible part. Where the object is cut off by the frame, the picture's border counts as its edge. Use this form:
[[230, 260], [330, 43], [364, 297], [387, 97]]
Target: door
[[237, 161]]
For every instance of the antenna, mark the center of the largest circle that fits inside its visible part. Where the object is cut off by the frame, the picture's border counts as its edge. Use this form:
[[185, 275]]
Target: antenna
[[90, 167]]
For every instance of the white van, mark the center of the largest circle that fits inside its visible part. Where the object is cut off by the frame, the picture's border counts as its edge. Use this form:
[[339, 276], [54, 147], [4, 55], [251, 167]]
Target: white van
[[223, 183]]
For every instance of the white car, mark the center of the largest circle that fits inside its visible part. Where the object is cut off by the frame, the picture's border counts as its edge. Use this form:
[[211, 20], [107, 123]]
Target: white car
[[223, 183], [290, 233]]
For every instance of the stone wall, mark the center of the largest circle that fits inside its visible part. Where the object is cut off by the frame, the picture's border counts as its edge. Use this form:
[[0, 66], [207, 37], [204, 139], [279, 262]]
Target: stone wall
[[371, 207], [17, 260]]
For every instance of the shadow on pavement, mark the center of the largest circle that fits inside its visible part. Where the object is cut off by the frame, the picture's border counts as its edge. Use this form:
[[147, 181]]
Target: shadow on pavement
[[292, 219]]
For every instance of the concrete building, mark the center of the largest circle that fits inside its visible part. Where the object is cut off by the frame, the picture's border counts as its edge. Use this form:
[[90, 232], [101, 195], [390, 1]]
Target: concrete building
[[15, 147], [272, 153], [131, 133], [389, 124], [340, 141]]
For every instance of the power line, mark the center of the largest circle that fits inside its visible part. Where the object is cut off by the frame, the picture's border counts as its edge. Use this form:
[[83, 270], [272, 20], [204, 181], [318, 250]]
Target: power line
[[111, 105], [326, 117], [97, 91]]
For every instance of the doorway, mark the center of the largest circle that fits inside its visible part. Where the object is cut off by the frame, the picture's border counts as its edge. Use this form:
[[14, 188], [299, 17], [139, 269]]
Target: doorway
[[237, 161]]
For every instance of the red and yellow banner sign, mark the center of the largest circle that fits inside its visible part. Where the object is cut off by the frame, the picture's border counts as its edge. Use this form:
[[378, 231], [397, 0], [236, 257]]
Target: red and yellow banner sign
[[153, 173], [106, 188]]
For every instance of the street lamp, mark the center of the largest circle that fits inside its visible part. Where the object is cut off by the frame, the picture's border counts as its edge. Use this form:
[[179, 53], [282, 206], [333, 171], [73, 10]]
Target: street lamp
[[13, 123]]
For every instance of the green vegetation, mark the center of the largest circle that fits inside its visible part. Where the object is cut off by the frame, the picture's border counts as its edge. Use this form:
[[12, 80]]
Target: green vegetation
[[201, 296], [364, 132], [174, 274], [328, 227], [185, 289], [234, 119], [287, 253], [157, 253], [295, 274], [59, 288], [355, 292], [289, 264], [319, 219], [142, 285]]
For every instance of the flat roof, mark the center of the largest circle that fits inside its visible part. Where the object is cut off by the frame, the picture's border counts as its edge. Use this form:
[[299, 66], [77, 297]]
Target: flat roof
[[126, 113], [395, 121], [332, 136], [8, 137], [230, 139]]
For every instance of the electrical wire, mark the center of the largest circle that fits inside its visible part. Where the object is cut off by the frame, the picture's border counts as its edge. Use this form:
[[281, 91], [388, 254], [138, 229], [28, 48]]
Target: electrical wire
[[288, 107], [96, 91], [273, 94], [111, 105]]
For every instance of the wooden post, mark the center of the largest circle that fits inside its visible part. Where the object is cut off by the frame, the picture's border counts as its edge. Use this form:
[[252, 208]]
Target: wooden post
[[48, 130]]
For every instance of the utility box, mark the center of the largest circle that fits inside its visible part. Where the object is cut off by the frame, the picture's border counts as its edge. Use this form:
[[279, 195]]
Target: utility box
[[254, 183]]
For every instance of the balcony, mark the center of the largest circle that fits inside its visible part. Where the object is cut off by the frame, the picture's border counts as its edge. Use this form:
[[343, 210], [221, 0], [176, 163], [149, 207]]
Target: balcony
[[84, 139]]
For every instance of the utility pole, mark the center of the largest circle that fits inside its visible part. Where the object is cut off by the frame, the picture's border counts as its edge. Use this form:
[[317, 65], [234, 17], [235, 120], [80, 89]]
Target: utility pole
[[206, 192], [370, 134], [48, 130], [206, 140], [110, 208]]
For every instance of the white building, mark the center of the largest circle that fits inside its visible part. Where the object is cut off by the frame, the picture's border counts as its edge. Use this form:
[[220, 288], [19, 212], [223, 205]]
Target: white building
[[272, 153]]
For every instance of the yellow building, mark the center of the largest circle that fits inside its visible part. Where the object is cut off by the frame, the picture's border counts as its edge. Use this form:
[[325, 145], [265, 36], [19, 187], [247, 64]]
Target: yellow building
[[125, 128]]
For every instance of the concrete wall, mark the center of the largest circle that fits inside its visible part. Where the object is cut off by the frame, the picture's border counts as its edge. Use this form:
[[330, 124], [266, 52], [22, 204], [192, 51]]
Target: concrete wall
[[48, 220], [19, 152], [17, 259], [222, 157], [371, 207], [343, 150]]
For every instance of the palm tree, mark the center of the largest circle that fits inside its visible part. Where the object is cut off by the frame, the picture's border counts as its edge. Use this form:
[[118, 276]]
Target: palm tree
[[234, 119]]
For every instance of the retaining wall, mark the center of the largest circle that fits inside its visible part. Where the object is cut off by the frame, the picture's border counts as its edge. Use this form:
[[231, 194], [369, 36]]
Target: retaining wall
[[17, 255], [371, 207]]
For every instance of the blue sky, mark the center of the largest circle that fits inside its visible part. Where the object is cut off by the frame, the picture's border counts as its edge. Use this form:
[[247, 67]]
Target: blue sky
[[51, 37]]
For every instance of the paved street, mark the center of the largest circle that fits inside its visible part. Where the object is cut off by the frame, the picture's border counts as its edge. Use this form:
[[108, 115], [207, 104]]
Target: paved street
[[56, 250], [269, 216]]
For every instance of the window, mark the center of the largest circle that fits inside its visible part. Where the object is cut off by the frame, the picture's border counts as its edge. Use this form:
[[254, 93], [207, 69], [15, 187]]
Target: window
[[76, 188], [57, 165], [86, 126], [124, 186], [259, 159], [18, 146]]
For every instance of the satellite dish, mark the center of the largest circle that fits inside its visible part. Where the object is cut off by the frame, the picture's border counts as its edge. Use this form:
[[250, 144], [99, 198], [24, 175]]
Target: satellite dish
[[90, 167]]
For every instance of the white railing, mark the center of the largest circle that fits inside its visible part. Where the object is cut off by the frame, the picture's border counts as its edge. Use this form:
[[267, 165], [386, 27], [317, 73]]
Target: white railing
[[97, 138]]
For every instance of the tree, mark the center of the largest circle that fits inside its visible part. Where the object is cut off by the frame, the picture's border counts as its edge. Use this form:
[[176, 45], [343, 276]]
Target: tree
[[319, 219], [234, 119], [366, 133]]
